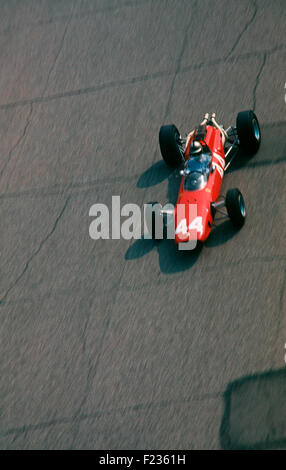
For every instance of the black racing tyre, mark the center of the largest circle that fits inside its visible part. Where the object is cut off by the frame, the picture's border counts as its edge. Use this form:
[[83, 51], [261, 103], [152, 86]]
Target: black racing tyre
[[156, 218], [171, 150], [248, 131], [235, 207]]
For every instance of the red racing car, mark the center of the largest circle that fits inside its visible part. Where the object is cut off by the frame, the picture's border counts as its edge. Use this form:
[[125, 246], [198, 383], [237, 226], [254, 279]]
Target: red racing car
[[204, 156]]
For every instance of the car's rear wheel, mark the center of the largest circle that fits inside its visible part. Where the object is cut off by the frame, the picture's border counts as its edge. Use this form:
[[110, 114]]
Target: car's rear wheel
[[248, 131], [235, 207], [170, 145]]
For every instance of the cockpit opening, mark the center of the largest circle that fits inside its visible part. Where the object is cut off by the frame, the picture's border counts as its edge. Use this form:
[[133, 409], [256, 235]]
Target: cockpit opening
[[197, 170]]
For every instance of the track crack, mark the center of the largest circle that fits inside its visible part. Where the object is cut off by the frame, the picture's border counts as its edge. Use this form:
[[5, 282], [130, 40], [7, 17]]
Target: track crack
[[139, 79], [35, 253], [22, 137], [101, 413], [58, 53], [178, 66], [247, 25], [257, 80]]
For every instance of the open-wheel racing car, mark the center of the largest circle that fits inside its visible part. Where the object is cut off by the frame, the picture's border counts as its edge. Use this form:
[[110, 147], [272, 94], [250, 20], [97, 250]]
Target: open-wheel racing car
[[204, 156]]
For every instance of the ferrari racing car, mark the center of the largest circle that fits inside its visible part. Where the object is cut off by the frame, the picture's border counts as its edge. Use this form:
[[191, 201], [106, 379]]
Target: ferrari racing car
[[204, 156]]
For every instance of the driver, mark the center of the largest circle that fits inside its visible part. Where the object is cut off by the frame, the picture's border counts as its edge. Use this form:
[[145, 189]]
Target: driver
[[195, 149], [199, 158]]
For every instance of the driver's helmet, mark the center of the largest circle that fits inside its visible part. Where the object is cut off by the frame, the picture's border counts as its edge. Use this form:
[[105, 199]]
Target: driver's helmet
[[195, 149]]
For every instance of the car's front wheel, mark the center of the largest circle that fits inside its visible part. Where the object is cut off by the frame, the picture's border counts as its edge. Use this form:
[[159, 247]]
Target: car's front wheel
[[235, 207], [171, 145], [248, 131]]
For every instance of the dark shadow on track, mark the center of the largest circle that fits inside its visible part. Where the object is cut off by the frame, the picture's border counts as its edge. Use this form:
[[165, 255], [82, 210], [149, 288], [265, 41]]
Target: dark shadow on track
[[251, 163], [240, 161], [171, 260], [157, 173], [221, 233], [255, 412], [140, 248], [273, 146]]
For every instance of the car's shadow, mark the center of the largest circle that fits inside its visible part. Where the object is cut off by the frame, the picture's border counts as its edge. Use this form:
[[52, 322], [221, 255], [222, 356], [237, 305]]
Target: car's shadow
[[221, 233], [159, 172], [240, 161], [171, 260]]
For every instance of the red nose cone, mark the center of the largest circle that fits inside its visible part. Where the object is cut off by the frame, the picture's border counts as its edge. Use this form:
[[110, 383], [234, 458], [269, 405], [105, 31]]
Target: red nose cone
[[197, 228]]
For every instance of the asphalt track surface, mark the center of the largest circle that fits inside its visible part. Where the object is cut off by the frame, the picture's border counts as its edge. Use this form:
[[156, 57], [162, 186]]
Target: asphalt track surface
[[116, 344]]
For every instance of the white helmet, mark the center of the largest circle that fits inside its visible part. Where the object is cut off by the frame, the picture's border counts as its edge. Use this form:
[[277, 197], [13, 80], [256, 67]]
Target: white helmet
[[195, 148]]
